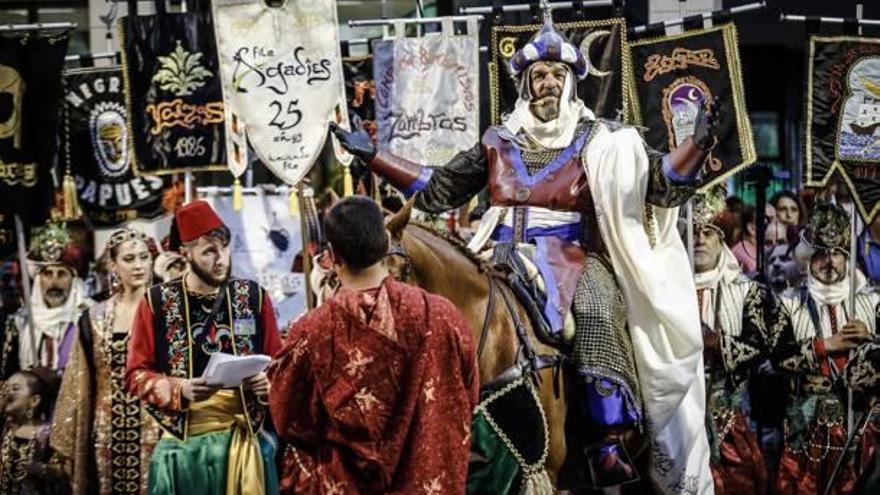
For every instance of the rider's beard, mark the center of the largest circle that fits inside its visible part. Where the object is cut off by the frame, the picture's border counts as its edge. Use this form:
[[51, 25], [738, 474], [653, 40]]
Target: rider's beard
[[545, 108]]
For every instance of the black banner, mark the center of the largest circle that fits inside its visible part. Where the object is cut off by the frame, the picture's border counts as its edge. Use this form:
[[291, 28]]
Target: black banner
[[30, 89], [673, 75], [843, 116], [97, 150], [602, 43], [173, 91]]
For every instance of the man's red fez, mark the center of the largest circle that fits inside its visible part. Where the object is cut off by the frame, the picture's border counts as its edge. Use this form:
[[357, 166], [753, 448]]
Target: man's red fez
[[196, 219]]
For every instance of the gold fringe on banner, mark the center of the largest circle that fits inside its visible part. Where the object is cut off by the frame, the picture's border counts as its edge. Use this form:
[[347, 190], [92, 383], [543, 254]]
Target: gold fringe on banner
[[237, 200], [293, 202], [70, 209], [347, 182]]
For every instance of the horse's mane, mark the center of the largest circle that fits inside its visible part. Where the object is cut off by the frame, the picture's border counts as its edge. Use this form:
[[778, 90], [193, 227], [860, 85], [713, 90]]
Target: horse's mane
[[455, 242]]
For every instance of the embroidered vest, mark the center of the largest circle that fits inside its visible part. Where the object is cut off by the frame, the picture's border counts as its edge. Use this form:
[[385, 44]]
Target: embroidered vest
[[561, 185], [238, 320]]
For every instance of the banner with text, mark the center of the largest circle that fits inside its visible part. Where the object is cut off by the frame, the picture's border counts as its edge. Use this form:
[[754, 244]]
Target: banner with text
[[30, 89], [673, 75], [282, 81], [98, 153], [172, 85], [843, 116], [602, 42], [427, 93]]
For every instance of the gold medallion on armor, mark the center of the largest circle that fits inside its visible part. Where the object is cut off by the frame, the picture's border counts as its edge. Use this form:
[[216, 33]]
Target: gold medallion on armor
[[522, 194]]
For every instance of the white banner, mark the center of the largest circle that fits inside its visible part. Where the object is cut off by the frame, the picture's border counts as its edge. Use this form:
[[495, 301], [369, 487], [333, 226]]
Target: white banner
[[282, 81], [265, 242], [427, 93]]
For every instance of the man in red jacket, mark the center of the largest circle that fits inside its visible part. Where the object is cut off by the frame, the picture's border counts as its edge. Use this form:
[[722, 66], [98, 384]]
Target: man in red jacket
[[374, 389], [213, 441]]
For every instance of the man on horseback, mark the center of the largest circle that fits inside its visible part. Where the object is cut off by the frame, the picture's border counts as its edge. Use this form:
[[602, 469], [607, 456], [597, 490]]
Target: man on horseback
[[592, 207]]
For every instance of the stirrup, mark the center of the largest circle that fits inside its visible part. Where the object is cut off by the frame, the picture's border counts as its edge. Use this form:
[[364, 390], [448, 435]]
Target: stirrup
[[610, 464]]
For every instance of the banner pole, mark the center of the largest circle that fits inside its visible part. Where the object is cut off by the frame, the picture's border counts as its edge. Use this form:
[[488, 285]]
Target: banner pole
[[25, 285], [690, 232], [853, 267]]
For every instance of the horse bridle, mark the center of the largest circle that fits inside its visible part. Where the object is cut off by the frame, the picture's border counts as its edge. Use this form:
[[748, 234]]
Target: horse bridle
[[407, 270]]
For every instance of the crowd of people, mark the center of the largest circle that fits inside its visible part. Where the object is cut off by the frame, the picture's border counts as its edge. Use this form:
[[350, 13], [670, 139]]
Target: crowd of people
[[742, 376]]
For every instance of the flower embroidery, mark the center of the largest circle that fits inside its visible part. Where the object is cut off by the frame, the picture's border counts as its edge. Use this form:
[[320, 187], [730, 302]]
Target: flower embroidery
[[356, 363], [434, 487], [299, 349], [429, 391], [365, 400], [333, 487]]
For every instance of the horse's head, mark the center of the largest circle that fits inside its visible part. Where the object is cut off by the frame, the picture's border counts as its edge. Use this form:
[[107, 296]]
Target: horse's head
[[398, 261]]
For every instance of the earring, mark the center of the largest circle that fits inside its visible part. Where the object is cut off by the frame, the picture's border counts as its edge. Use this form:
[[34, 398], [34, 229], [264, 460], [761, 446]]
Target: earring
[[29, 414], [114, 282]]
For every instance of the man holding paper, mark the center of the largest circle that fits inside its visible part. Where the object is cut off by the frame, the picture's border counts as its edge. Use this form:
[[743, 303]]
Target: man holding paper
[[213, 440]]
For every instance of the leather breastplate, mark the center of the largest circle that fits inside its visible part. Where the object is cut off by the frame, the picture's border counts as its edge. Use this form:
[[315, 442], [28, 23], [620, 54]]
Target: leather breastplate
[[561, 185]]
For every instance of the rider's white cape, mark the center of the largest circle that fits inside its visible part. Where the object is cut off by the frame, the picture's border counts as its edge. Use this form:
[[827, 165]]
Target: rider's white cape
[[662, 309]]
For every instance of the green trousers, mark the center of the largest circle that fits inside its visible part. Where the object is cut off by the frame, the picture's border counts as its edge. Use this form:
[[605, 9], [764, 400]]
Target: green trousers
[[198, 465]]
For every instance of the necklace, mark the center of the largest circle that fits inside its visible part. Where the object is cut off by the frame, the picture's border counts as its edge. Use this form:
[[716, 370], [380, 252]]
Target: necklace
[[12, 468]]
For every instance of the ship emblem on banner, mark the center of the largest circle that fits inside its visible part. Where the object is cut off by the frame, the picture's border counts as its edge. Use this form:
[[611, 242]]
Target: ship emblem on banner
[[673, 76], [843, 116], [427, 92], [97, 149], [282, 80], [603, 42], [173, 94]]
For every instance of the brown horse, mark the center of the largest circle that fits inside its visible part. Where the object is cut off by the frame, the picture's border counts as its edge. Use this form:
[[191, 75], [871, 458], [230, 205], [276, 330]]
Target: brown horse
[[443, 265]]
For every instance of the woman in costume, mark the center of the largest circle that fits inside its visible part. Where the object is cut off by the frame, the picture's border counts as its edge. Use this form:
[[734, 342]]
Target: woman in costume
[[101, 434], [25, 451]]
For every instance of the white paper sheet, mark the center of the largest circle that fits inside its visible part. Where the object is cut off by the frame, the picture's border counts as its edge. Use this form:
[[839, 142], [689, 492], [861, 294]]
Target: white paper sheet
[[230, 371]]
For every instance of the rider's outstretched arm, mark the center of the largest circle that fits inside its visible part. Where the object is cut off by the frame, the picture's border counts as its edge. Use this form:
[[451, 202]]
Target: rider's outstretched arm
[[437, 189]]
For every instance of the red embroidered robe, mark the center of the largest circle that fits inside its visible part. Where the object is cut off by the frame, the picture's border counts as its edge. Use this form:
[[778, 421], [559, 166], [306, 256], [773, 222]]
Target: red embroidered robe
[[375, 391]]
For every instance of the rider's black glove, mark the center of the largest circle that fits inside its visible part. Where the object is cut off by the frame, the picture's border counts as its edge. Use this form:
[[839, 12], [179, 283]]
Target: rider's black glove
[[358, 143]]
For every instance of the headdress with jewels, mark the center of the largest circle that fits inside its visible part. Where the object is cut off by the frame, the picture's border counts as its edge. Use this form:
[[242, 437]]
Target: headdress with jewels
[[126, 234], [549, 45], [828, 229], [708, 209], [52, 245]]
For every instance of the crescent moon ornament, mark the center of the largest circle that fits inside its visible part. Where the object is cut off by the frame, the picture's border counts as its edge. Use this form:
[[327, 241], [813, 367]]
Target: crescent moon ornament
[[586, 44]]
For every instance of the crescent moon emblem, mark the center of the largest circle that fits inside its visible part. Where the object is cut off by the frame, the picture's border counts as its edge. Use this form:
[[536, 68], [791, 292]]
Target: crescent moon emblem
[[586, 43]]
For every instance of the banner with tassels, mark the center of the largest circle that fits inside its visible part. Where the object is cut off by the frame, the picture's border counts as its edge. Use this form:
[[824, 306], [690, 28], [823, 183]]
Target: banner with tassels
[[843, 116], [96, 150], [673, 75], [427, 93], [282, 81], [604, 90], [172, 86], [30, 89]]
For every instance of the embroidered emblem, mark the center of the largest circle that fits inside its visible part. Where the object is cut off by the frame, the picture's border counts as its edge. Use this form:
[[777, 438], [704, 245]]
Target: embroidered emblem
[[181, 72], [433, 487], [357, 362], [429, 391], [365, 400]]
